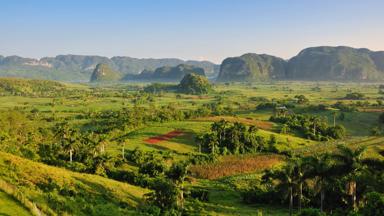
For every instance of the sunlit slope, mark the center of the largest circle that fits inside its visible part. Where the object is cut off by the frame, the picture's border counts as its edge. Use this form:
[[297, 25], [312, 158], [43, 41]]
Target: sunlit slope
[[57, 191]]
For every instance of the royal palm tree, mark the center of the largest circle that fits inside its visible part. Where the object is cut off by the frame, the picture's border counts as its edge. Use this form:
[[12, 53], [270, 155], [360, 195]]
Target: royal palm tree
[[177, 173], [68, 137], [285, 178], [319, 168], [351, 163]]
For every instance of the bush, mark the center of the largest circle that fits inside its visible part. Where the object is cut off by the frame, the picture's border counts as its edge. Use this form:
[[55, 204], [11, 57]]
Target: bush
[[374, 204], [354, 96], [311, 212], [199, 194]]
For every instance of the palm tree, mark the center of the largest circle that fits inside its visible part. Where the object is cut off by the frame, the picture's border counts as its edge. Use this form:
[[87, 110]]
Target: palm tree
[[299, 176], [319, 168], [177, 173], [220, 128], [68, 137], [285, 178], [351, 163]]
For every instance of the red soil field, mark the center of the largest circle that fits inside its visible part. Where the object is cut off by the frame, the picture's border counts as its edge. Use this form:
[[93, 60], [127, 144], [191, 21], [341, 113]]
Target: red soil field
[[164, 137]]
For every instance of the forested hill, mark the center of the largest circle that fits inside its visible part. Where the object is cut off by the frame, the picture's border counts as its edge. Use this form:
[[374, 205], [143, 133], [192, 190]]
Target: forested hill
[[80, 67], [166, 73], [315, 64]]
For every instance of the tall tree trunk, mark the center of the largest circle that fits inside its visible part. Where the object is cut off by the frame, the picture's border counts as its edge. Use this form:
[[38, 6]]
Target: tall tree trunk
[[70, 155], [322, 195], [290, 200], [300, 195], [182, 195], [123, 151]]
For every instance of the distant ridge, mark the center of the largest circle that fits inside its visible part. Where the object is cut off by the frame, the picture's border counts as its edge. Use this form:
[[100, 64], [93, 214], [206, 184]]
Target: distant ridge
[[316, 64], [80, 67], [166, 73], [321, 63]]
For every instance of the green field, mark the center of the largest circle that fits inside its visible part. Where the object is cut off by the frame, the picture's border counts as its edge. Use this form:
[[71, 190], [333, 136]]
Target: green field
[[105, 181]]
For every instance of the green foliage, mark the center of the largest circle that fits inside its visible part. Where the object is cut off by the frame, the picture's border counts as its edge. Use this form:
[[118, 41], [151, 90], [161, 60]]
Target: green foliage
[[374, 204], [354, 96], [312, 127], [251, 67], [194, 84], [311, 212], [167, 73], [32, 88], [164, 194], [233, 138]]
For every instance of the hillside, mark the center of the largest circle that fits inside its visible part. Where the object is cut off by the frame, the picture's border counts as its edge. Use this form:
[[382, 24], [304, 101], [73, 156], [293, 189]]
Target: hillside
[[80, 67], [168, 74], [194, 84], [252, 67], [314, 64], [26, 87], [56, 191], [336, 63], [103, 73]]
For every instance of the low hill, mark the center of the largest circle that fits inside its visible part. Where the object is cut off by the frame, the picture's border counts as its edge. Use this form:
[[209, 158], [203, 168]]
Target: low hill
[[252, 67], [56, 191], [26, 87], [167, 74], [103, 73], [194, 84]]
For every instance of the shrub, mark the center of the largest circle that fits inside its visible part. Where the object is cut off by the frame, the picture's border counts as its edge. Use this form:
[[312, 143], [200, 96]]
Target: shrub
[[311, 212], [374, 204]]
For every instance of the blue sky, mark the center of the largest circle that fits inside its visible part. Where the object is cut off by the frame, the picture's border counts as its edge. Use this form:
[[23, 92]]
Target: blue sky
[[187, 29]]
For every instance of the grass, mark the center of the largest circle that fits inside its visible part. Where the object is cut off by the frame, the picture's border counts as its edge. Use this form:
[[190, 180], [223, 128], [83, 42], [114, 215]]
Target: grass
[[81, 194], [10, 206], [59, 191], [226, 200]]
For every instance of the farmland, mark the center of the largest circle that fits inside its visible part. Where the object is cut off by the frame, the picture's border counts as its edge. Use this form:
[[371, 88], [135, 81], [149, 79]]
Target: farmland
[[86, 140]]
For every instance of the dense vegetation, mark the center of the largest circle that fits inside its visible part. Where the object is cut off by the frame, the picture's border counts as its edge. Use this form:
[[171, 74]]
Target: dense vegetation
[[166, 73], [194, 84], [222, 149]]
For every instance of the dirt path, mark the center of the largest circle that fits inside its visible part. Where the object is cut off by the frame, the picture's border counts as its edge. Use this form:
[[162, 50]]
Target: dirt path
[[164, 137]]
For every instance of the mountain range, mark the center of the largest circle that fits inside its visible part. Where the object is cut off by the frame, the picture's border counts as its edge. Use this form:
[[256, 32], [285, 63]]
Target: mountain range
[[166, 73], [80, 67], [315, 63]]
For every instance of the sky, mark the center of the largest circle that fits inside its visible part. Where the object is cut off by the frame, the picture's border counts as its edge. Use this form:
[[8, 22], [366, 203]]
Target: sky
[[187, 29]]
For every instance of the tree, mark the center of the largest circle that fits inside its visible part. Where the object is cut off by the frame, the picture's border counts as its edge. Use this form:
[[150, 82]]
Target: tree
[[286, 180], [165, 194], [374, 204], [319, 168], [381, 118], [68, 137], [350, 163], [152, 168], [177, 174]]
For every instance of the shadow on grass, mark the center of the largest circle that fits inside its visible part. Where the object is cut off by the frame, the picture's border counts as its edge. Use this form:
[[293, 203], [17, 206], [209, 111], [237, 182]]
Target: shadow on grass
[[102, 193]]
